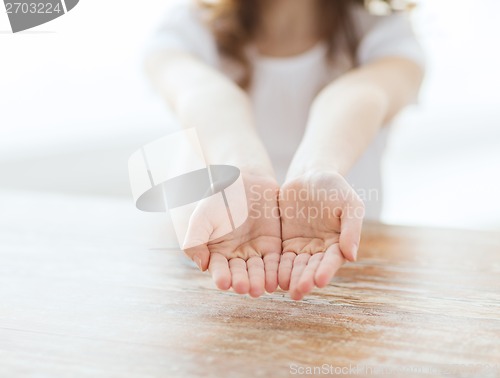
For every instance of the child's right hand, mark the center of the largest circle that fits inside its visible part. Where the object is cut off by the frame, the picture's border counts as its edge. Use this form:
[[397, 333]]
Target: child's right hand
[[247, 258]]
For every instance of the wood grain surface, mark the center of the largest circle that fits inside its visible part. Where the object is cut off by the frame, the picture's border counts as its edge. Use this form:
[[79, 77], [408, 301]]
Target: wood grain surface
[[90, 288]]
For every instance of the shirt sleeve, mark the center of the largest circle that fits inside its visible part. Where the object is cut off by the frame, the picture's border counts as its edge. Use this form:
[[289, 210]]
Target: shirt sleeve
[[182, 29], [384, 36]]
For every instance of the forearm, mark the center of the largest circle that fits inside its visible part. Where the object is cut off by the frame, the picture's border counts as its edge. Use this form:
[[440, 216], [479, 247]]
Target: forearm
[[348, 113], [337, 134], [223, 119], [220, 111]]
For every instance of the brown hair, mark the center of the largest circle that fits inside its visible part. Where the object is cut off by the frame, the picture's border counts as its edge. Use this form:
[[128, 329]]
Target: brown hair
[[233, 23]]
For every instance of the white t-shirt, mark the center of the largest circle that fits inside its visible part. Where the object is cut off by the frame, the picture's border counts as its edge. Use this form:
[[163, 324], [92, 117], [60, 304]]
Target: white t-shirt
[[283, 89]]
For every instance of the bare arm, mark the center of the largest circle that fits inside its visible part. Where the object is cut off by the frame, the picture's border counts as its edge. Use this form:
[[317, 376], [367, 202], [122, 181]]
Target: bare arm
[[246, 258], [348, 113], [343, 120], [203, 98]]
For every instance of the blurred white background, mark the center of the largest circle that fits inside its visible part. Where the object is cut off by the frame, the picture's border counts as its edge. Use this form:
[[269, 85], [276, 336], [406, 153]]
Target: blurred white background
[[74, 105]]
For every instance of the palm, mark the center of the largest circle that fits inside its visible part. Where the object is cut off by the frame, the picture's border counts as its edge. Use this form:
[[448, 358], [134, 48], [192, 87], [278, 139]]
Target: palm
[[321, 219], [246, 258]]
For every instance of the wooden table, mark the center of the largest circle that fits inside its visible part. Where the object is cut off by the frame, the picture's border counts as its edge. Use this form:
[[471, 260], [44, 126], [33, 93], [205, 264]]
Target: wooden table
[[90, 287]]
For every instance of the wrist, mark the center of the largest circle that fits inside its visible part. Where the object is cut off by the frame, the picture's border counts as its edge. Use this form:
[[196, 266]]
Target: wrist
[[247, 154], [260, 173], [312, 175], [304, 166]]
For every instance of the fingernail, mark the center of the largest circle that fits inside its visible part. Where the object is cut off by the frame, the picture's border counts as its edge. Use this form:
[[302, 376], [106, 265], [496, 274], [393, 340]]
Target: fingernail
[[355, 252], [197, 260]]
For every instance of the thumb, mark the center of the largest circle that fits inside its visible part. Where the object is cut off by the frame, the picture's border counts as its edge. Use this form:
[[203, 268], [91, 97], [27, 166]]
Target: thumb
[[200, 255], [196, 239], [351, 222]]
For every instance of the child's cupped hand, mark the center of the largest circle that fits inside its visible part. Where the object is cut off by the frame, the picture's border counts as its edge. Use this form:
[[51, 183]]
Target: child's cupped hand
[[298, 242], [247, 258], [321, 220]]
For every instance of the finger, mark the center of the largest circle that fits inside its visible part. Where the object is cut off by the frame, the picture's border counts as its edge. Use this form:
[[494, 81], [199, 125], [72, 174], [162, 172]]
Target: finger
[[256, 276], [331, 262], [299, 264], [306, 282], [239, 275], [285, 269], [271, 263], [200, 255], [219, 268], [351, 222]]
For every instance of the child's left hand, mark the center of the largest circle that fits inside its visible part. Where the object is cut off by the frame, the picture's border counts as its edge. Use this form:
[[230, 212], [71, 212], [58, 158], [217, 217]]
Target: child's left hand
[[321, 217]]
